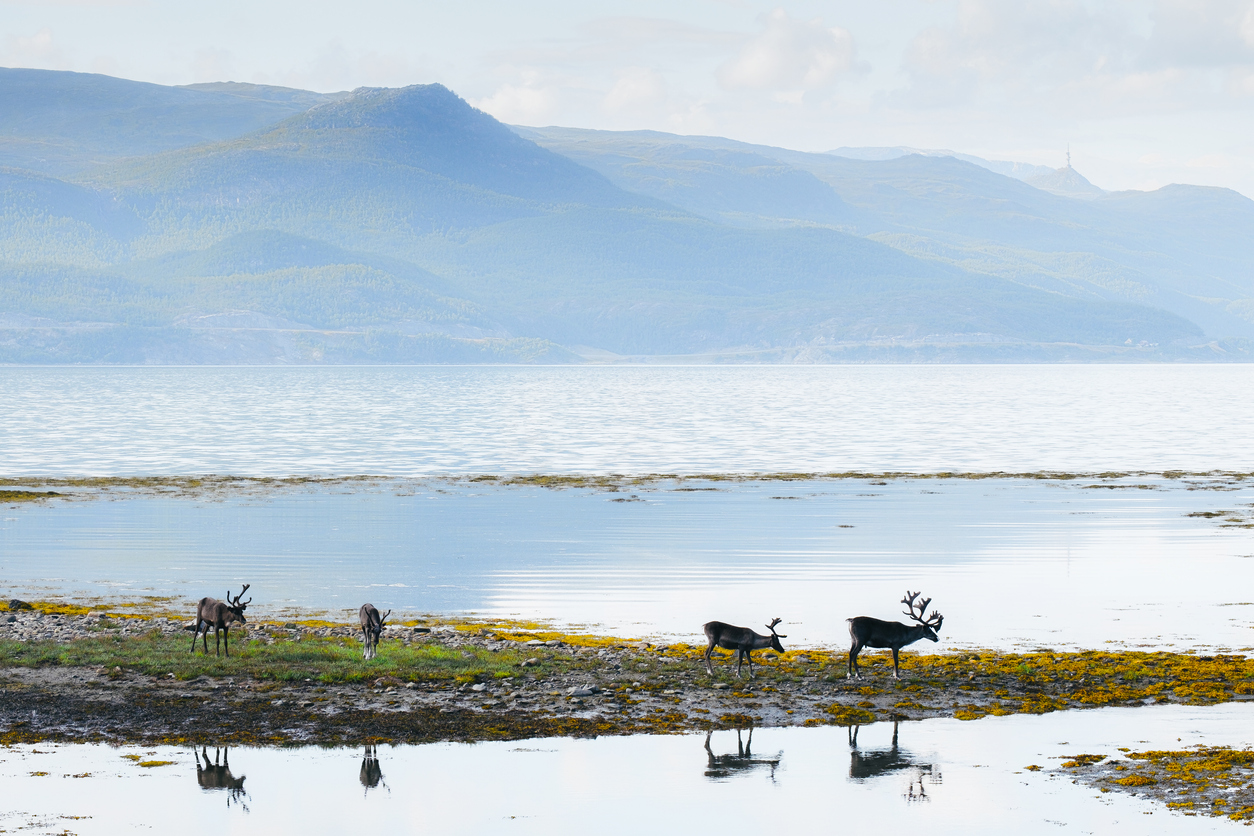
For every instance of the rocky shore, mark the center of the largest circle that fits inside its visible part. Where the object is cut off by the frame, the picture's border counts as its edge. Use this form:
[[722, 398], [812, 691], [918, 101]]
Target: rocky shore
[[95, 676]]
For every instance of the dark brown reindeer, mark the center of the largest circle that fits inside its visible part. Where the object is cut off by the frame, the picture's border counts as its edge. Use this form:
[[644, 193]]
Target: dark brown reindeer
[[871, 632], [214, 777], [211, 612], [742, 760], [371, 628], [742, 640]]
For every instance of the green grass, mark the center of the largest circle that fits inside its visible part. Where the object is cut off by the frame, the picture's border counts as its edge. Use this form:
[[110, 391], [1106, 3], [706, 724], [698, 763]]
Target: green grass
[[328, 661]]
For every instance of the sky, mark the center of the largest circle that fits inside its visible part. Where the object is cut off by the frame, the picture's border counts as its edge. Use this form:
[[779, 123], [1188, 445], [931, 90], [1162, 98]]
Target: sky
[[1144, 92]]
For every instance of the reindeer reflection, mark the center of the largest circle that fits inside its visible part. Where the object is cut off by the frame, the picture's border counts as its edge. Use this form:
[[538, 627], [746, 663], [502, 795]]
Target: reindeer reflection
[[211, 776], [371, 774], [870, 763], [725, 766]]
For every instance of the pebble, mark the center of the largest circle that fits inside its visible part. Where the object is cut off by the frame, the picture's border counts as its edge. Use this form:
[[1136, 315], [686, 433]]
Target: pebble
[[479, 687]]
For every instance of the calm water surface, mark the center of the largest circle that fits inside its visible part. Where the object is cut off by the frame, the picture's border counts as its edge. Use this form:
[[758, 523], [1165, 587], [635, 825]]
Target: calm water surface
[[477, 419], [940, 777], [1010, 562]]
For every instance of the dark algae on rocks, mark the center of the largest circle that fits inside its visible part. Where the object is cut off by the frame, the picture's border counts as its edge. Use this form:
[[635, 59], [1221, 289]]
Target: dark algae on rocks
[[67, 673]]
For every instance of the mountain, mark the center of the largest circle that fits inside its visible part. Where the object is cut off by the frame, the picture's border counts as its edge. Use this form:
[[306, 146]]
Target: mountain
[[61, 123], [1184, 249], [1067, 182], [403, 225], [1019, 171]]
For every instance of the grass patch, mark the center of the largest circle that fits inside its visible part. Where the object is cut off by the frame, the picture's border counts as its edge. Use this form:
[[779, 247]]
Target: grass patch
[[331, 660]]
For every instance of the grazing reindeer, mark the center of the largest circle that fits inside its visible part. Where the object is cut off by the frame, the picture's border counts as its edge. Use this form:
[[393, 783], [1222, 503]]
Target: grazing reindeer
[[214, 777], [371, 628], [871, 632], [742, 640], [724, 766], [211, 612]]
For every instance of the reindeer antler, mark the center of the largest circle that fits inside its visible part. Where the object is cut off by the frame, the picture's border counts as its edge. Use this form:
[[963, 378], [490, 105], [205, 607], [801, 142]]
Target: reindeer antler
[[771, 627], [236, 602], [385, 617], [922, 606]]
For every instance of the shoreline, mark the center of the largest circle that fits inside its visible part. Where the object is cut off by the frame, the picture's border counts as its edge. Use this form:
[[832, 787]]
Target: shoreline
[[80, 677]]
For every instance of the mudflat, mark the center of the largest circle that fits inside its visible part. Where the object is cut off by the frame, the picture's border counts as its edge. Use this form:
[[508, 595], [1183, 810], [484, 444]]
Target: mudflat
[[70, 674]]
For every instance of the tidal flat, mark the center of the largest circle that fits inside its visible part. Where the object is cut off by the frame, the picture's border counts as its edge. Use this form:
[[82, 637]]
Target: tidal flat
[[130, 678], [1066, 561]]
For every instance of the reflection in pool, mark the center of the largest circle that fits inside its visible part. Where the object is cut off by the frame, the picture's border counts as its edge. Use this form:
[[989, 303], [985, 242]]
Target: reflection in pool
[[824, 779], [371, 772], [867, 763], [215, 776], [742, 760]]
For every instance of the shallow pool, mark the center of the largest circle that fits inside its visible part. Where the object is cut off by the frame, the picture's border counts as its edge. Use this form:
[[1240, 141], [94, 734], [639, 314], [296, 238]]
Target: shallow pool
[[934, 777]]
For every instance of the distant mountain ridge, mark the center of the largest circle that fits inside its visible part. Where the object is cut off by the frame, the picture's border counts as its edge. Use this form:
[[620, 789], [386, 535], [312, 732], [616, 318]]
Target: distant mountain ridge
[[1019, 171], [403, 225]]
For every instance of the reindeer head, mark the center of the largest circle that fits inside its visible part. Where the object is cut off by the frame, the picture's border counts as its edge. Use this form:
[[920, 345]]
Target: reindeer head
[[775, 637], [931, 626], [376, 629], [237, 607]]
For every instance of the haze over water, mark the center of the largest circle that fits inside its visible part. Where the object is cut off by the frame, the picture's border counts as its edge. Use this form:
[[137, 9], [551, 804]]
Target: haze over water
[[500, 419]]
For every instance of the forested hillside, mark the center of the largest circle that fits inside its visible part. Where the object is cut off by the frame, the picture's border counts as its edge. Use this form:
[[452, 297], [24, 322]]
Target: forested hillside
[[406, 226]]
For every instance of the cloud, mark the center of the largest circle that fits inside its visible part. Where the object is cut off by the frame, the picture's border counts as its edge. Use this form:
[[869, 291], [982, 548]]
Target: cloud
[[1070, 57], [212, 65], [790, 55], [336, 67], [527, 103], [40, 51], [636, 89]]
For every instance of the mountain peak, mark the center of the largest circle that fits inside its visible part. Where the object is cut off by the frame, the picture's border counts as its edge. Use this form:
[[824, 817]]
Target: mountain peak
[[1067, 182]]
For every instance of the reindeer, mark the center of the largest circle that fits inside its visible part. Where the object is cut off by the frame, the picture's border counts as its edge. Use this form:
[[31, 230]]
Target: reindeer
[[743, 760], [211, 612], [871, 632], [742, 640], [371, 628], [214, 777]]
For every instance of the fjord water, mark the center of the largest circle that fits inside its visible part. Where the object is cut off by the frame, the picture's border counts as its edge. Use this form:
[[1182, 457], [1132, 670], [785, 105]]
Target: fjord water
[[935, 777], [1013, 563], [278, 421]]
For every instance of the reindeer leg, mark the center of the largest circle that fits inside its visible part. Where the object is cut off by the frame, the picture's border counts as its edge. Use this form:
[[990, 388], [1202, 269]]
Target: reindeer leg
[[708, 668], [853, 662], [217, 640], [749, 657], [204, 638], [226, 640], [195, 635], [895, 674]]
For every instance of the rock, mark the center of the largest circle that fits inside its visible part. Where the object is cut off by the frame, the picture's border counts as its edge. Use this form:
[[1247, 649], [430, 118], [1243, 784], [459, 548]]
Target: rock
[[479, 687], [535, 643], [530, 663], [15, 604], [410, 686], [583, 691], [553, 643], [719, 685]]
